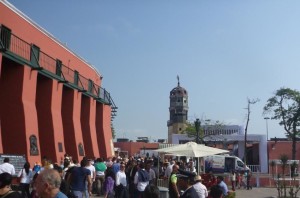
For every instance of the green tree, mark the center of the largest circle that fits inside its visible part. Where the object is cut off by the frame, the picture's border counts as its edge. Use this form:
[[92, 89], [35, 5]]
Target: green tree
[[191, 132], [285, 107], [284, 162]]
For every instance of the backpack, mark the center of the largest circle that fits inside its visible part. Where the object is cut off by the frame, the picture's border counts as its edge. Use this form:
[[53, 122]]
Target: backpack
[[143, 176]]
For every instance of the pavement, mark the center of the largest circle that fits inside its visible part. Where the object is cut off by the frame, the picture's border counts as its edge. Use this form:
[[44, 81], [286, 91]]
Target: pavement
[[243, 193], [257, 193]]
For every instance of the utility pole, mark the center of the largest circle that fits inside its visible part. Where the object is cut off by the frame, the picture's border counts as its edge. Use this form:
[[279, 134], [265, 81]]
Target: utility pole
[[197, 126]]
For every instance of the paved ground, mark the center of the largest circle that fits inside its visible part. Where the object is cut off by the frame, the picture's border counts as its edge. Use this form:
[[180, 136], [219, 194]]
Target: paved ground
[[257, 193], [254, 193]]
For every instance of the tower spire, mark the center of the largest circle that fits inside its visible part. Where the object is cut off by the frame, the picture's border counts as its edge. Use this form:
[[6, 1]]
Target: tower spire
[[178, 84]]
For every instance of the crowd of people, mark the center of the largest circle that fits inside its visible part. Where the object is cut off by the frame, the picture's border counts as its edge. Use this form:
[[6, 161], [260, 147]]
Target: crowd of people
[[112, 177], [240, 179]]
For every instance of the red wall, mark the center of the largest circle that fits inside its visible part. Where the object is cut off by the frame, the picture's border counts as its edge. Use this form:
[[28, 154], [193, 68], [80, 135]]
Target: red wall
[[48, 103], [32, 104], [282, 147], [18, 109], [135, 147], [33, 35], [103, 130]]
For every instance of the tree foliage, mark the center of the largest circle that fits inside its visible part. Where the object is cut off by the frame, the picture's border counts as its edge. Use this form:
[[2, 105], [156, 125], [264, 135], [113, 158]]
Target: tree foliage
[[285, 107], [191, 132]]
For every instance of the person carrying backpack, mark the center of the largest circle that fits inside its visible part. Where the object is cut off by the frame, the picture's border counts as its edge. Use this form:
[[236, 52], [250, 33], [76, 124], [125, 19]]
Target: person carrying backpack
[[141, 180]]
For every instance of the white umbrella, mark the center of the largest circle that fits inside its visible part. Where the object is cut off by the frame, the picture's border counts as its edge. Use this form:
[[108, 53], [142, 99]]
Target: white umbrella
[[192, 149]]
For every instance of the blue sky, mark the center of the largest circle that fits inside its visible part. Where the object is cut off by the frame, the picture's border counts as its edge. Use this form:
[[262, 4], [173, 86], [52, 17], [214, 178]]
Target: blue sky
[[223, 51]]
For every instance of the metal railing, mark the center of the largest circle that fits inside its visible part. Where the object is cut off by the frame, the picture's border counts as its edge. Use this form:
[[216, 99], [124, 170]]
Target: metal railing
[[48, 63], [83, 83], [68, 74], [254, 168], [23, 50], [14, 44], [163, 183]]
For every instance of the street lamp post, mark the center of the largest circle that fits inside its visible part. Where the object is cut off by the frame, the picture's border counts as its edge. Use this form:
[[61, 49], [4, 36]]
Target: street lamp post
[[267, 127], [197, 126]]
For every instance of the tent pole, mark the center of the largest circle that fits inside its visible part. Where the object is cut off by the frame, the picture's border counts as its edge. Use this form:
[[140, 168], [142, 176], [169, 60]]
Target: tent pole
[[198, 166], [203, 165]]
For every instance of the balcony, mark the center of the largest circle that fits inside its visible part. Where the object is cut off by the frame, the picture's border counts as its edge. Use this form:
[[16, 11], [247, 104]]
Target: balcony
[[14, 48]]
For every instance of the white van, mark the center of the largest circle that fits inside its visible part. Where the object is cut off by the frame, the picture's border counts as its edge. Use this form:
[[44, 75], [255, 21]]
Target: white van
[[223, 164]]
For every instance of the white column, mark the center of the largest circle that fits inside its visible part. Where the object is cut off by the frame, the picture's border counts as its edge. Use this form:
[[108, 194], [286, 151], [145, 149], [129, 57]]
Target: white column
[[263, 154]]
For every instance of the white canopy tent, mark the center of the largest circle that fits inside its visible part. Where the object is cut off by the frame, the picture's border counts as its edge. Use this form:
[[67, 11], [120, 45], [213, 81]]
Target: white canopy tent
[[191, 149]]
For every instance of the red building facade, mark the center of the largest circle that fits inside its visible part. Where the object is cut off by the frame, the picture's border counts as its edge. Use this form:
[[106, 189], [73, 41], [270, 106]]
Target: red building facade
[[51, 100], [134, 148], [278, 148]]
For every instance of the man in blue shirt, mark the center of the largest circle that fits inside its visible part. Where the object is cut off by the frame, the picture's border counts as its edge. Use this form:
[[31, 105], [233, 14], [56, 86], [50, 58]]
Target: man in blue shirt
[[77, 179], [222, 185], [116, 166]]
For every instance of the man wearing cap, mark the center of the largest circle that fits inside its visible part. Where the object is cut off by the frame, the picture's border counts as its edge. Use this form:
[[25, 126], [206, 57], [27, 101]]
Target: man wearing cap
[[169, 169], [185, 181], [199, 187]]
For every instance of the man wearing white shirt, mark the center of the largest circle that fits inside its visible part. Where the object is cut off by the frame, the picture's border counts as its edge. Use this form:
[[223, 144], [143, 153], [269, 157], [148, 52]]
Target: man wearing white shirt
[[121, 182], [169, 169], [152, 177], [93, 175], [200, 188], [6, 167]]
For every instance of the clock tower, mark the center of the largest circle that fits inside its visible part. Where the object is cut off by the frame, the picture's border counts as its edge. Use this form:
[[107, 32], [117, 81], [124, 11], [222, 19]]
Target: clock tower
[[178, 111]]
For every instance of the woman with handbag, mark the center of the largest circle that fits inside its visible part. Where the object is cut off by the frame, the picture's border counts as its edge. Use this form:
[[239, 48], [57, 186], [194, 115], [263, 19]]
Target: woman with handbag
[[25, 176]]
